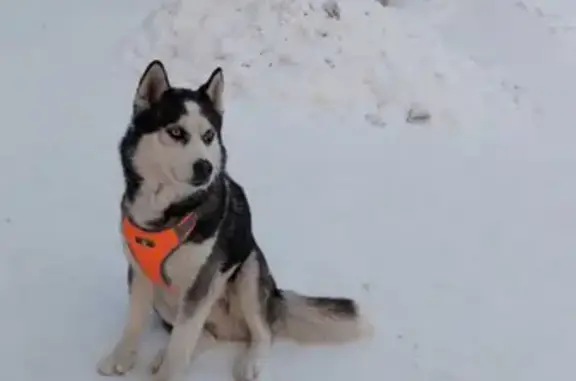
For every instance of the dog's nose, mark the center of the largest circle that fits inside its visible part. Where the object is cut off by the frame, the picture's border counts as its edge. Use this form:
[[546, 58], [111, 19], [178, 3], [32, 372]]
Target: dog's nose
[[202, 170]]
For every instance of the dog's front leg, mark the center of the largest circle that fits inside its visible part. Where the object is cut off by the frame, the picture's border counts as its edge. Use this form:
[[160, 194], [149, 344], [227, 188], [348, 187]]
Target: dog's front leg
[[194, 309], [122, 358]]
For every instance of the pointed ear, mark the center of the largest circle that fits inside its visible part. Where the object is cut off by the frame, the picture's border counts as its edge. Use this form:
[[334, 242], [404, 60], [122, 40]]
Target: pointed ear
[[153, 83], [214, 88]]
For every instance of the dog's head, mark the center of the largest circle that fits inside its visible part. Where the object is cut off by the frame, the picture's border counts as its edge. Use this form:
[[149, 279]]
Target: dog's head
[[174, 138]]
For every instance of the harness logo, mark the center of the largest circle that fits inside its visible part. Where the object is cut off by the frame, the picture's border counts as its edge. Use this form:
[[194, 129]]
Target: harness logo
[[145, 242]]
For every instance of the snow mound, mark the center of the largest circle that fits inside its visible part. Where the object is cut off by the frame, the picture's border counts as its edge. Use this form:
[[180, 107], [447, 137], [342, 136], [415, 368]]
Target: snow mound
[[364, 62]]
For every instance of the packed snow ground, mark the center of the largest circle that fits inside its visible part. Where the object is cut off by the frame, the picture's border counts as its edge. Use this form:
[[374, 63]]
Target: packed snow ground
[[456, 236]]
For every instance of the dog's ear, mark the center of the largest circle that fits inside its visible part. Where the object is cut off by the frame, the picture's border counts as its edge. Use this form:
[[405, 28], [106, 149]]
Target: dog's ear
[[153, 83], [214, 88]]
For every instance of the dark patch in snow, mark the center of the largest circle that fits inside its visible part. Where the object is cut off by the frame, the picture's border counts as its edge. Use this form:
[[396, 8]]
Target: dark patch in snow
[[417, 114], [332, 9]]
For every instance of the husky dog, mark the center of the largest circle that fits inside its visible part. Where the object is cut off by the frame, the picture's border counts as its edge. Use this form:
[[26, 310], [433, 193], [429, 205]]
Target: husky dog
[[174, 163]]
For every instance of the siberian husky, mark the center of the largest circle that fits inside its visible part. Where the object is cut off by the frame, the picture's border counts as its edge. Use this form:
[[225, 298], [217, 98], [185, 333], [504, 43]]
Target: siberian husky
[[193, 259]]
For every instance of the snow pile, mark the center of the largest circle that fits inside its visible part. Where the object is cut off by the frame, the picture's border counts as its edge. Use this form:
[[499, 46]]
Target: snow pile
[[364, 61]]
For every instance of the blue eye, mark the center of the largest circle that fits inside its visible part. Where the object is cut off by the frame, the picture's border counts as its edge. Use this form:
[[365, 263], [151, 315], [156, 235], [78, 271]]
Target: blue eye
[[208, 136], [175, 132]]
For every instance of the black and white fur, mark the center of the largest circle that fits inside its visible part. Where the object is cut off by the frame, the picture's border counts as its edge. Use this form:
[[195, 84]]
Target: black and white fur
[[173, 158]]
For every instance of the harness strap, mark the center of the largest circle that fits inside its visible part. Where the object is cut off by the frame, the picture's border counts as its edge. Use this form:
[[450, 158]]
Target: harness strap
[[152, 248], [185, 226]]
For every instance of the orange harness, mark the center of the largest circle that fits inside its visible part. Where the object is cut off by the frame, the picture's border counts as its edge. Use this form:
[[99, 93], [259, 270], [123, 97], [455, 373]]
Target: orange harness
[[151, 249]]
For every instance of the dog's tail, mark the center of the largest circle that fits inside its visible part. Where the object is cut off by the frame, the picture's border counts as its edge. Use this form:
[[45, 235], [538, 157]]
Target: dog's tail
[[315, 320]]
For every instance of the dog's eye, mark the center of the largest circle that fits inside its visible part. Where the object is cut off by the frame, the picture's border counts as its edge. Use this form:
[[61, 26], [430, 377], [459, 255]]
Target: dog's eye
[[208, 136], [175, 132]]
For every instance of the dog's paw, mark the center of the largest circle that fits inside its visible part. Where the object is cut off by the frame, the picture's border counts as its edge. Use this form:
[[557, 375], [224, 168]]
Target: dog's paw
[[117, 363], [157, 362], [247, 366]]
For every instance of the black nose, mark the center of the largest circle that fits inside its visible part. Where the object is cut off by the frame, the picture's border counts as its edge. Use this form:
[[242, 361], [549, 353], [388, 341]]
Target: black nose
[[202, 171]]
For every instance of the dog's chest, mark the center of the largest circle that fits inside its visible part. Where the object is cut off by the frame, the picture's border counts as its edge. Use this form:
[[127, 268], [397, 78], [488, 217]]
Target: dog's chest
[[183, 265]]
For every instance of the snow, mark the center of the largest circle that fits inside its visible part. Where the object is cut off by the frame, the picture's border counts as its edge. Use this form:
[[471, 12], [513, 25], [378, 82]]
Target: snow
[[373, 62], [455, 235]]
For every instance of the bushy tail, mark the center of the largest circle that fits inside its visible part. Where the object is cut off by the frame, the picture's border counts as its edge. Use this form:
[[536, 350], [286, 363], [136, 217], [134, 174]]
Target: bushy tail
[[315, 320]]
